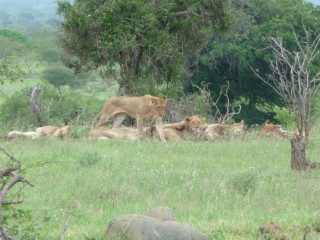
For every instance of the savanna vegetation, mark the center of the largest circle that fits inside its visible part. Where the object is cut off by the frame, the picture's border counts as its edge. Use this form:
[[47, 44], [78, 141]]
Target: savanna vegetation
[[211, 55]]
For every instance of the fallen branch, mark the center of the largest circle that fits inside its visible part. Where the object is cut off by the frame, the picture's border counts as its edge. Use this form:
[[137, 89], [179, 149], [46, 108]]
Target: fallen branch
[[4, 203]]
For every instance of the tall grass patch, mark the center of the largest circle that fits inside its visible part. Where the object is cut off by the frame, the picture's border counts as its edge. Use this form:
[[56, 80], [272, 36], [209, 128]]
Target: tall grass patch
[[225, 189]]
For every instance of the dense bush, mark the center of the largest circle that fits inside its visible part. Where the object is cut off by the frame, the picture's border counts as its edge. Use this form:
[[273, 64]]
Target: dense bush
[[57, 108], [245, 182], [59, 75]]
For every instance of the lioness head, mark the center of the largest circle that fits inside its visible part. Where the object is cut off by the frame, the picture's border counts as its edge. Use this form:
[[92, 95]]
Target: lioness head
[[159, 105], [269, 127], [237, 128], [62, 132], [194, 123], [272, 129]]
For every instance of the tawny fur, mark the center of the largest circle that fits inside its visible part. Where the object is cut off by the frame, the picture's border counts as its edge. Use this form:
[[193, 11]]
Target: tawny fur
[[105, 133], [13, 134], [140, 108], [179, 131], [52, 131], [217, 130], [269, 129]]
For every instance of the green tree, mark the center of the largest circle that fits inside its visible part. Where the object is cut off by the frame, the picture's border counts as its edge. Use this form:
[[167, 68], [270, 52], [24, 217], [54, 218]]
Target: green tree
[[12, 67], [58, 75], [149, 40], [12, 35], [229, 56]]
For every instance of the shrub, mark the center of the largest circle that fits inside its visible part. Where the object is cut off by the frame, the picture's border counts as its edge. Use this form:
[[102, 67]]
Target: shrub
[[245, 182], [283, 115], [89, 159], [66, 107], [58, 76]]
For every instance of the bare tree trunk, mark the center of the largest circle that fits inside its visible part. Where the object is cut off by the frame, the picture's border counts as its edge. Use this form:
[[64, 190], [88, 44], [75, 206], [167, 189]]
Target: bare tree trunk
[[3, 236], [35, 106], [298, 154]]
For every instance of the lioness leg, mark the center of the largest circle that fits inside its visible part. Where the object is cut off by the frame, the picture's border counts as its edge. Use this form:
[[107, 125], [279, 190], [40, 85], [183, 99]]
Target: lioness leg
[[105, 116], [117, 119], [101, 121], [160, 129], [140, 127]]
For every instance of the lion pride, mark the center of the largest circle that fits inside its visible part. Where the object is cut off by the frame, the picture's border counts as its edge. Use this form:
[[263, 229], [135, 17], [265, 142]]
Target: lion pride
[[140, 108]]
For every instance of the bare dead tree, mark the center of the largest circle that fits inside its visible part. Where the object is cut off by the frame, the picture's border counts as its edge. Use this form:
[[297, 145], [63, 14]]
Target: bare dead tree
[[34, 103], [189, 105], [227, 115], [294, 81], [9, 177]]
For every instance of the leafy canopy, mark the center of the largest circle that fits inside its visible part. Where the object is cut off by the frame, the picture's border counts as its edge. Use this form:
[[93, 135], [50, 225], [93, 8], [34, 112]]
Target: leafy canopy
[[147, 39], [229, 56]]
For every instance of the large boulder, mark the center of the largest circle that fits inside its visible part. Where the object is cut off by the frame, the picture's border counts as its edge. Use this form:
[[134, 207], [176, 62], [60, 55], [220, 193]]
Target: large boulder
[[142, 227]]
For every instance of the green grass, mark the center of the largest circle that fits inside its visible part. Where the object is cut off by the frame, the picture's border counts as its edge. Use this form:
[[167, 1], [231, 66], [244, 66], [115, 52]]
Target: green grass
[[202, 182]]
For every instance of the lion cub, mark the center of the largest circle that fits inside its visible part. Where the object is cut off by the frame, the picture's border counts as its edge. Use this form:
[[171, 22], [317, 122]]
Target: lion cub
[[140, 108]]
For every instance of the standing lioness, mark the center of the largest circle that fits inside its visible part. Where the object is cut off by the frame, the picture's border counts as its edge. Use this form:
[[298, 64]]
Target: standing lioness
[[141, 108]]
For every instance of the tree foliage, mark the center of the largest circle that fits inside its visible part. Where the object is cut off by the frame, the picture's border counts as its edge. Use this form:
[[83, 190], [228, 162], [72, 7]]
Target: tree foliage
[[147, 39], [11, 66], [59, 75], [12, 35], [229, 56]]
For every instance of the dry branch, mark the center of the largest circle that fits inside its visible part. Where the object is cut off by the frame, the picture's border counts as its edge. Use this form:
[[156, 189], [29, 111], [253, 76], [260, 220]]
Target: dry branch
[[189, 105], [5, 203], [293, 80], [10, 177]]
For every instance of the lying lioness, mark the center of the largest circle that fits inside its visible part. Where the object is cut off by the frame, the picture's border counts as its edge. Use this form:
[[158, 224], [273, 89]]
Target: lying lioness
[[181, 130], [45, 131], [140, 108], [13, 134], [52, 131], [106, 133], [217, 130], [269, 129]]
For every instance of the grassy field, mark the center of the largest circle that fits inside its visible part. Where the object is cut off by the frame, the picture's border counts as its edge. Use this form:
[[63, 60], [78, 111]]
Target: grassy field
[[225, 189]]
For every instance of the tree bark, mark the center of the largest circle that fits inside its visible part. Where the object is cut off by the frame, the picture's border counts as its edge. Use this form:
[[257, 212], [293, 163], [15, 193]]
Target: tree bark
[[298, 154], [35, 106], [3, 236]]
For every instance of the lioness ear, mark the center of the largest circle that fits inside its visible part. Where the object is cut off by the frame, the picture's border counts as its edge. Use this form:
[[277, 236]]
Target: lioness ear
[[153, 101], [187, 119], [165, 98]]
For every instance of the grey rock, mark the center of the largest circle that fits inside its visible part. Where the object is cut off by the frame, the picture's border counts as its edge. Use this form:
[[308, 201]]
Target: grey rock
[[141, 227]]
